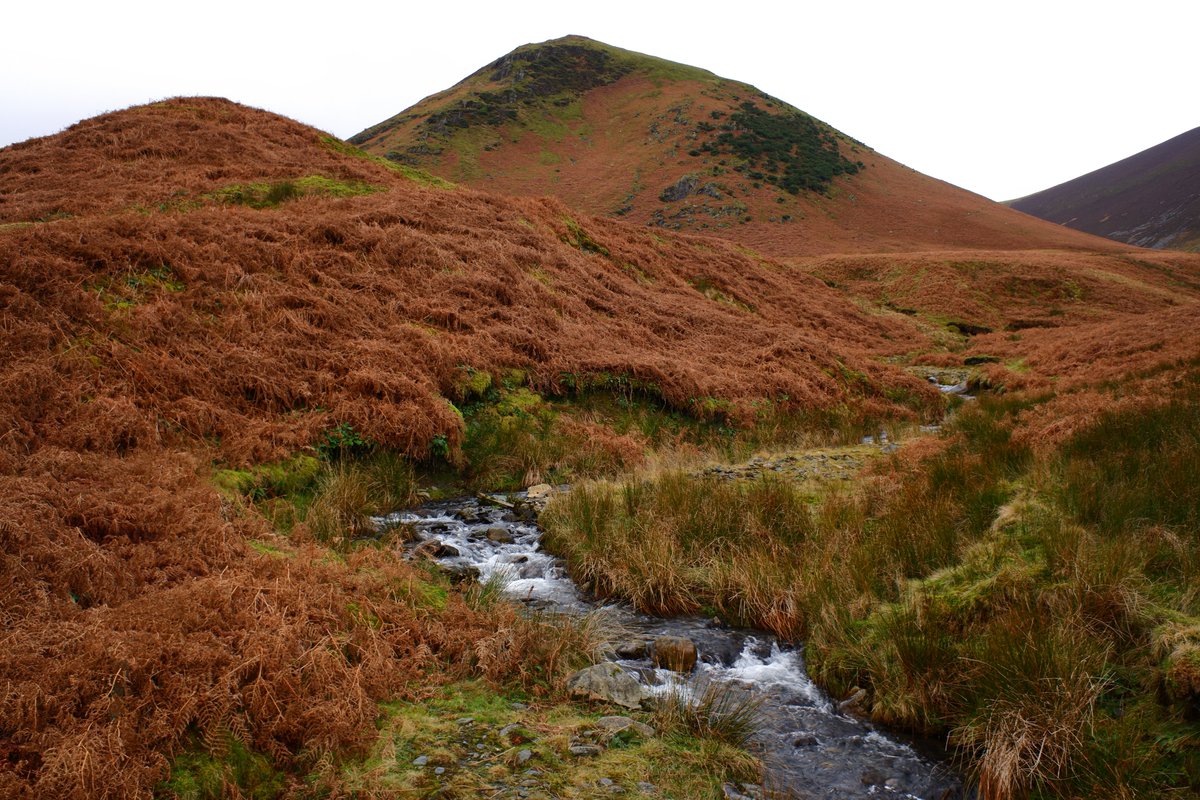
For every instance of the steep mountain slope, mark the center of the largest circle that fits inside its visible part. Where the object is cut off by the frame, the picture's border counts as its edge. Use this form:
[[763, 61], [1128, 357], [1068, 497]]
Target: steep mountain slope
[[619, 133], [1151, 199]]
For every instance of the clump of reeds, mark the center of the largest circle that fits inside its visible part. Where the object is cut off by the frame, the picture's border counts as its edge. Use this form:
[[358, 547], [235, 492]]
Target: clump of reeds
[[350, 491], [725, 712]]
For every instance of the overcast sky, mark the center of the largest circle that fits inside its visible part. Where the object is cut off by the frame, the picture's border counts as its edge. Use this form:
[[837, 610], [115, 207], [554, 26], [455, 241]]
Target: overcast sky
[[1002, 98]]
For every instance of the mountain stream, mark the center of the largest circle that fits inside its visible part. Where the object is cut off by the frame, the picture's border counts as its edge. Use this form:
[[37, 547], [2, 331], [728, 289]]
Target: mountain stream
[[809, 746]]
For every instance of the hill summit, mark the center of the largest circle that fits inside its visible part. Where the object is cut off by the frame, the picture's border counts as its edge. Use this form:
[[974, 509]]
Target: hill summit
[[619, 133]]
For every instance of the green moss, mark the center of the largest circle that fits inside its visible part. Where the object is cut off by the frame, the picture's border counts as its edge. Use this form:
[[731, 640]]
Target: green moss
[[458, 730], [270, 549], [136, 287], [420, 176], [292, 476], [578, 237], [714, 293], [198, 774], [472, 383]]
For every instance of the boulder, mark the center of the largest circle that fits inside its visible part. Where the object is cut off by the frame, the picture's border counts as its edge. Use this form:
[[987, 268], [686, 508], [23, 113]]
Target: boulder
[[607, 683], [634, 648], [435, 548], [500, 535], [585, 750], [854, 703], [675, 653], [461, 573]]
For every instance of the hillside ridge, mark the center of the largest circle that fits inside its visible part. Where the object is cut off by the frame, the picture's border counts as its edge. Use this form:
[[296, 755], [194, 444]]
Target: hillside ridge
[[1150, 199]]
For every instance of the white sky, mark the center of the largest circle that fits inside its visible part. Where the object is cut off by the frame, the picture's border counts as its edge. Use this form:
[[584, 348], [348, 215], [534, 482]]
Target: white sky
[[1003, 98]]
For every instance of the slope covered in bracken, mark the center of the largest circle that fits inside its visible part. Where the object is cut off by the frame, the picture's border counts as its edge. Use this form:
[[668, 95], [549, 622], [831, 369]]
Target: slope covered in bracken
[[979, 291], [166, 155], [620, 133], [195, 283], [1151, 199]]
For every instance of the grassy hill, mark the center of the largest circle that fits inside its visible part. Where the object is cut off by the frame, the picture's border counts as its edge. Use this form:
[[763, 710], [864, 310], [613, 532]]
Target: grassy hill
[[1151, 199], [613, 132]]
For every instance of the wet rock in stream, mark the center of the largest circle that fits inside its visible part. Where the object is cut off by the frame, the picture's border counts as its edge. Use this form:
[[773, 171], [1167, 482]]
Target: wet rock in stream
[[675, 653], [607, 683]]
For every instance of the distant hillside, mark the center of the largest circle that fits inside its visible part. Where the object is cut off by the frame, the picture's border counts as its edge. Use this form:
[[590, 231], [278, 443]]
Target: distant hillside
[[613, 132], [1151, 199]]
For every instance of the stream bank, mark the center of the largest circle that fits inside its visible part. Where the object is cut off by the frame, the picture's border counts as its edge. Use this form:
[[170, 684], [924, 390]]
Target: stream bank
[[810, 746]]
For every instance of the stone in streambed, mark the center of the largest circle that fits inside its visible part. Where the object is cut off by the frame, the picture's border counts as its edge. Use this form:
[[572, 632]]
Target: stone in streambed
[[674, 653], [634, 648], [500, 535], [607, 683], [854, 703], [434, 548], [539, 491], [461, 573]]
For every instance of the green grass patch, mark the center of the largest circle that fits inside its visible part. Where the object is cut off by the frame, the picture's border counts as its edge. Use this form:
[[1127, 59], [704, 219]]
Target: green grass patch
[[1137, 470], [135, 287], [1058, 645], [579, 238], [335, 495], [271, 194], [412, 173]]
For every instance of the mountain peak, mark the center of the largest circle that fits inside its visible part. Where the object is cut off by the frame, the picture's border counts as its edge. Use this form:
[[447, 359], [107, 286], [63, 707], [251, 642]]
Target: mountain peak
[[615, 132]]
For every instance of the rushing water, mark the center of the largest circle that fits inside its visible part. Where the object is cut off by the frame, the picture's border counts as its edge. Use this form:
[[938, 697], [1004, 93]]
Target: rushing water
[[808, 745]]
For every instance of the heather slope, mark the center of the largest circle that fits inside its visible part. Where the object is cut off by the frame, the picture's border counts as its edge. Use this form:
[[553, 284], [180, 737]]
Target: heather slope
[[1151, 199], [620, 133]]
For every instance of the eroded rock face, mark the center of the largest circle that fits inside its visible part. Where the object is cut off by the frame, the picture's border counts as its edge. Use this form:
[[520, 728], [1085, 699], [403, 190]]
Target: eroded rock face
[[674, 652], [607, 683]]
